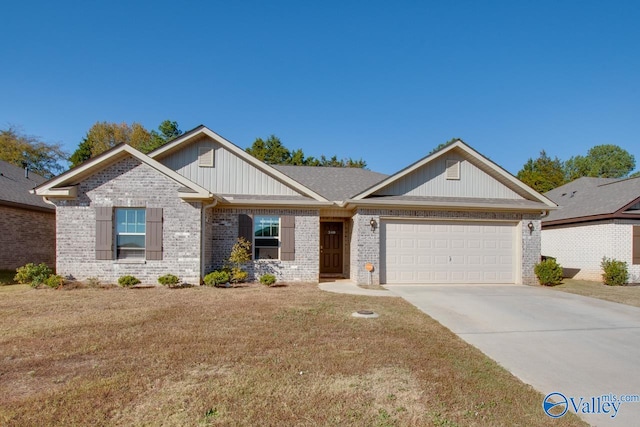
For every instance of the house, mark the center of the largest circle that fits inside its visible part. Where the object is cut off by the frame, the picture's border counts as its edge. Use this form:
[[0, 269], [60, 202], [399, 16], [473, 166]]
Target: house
[[27, 223], [597, 217], [452, 217]]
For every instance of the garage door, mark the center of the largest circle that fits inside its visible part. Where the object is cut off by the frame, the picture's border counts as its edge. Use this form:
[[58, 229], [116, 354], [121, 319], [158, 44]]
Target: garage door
[[447, 252]]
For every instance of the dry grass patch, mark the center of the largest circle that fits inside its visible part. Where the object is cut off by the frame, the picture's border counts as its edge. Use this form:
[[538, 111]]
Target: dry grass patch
[[629, 294], [246, 356]]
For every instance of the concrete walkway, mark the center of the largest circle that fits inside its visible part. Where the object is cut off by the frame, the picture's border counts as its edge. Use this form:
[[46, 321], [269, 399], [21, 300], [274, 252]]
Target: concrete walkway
[[557, 342], [348, 287]]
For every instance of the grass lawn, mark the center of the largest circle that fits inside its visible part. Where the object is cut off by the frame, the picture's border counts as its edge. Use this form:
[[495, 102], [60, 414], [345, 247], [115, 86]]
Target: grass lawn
[[629, 295], [253, 355]]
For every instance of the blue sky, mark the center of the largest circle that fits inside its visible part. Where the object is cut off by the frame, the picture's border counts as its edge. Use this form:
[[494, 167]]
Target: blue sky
[[385, 81]]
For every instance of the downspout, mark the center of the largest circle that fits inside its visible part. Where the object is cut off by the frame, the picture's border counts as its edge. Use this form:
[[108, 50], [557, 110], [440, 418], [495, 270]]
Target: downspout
[[202, 241]]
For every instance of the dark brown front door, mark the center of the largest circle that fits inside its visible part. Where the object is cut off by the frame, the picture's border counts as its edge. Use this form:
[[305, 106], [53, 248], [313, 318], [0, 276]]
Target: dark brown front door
[[331, 248]]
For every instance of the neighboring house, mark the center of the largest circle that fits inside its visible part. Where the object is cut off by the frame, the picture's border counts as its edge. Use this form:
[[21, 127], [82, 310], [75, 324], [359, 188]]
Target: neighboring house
[[452, 217], [27, 223], [597, 217]]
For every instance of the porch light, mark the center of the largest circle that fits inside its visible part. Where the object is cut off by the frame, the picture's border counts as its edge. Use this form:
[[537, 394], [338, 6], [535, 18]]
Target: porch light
[[373, 224], [530, 227]]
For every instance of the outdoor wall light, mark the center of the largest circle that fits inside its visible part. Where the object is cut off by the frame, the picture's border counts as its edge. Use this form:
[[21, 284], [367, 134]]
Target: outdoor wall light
[[373, 224], [530, 227]]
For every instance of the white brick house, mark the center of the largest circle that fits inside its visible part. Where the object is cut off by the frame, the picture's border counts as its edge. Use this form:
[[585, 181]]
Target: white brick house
[[597, 217], [452, 217]]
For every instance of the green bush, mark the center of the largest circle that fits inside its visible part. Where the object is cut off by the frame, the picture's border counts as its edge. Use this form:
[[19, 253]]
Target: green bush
[[54, 281], [128, 281], [615, 272], [548, 272], [216, 278], [238, 275], [33, 274], [268, 279], [168, 280]]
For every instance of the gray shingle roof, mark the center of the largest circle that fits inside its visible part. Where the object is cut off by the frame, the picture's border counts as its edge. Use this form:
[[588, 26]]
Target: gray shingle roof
[[592, 196], [14, 187], [334, 183]]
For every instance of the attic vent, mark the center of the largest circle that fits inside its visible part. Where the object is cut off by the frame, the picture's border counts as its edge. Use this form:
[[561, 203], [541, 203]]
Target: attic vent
[[205, 157], [453, 169]]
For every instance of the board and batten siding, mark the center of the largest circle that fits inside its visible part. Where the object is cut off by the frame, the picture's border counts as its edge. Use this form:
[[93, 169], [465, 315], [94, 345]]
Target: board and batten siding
[[431, 180], [229, 174]]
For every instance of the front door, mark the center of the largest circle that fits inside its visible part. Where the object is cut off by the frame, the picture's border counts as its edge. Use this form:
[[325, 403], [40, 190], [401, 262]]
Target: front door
[[331, 248]]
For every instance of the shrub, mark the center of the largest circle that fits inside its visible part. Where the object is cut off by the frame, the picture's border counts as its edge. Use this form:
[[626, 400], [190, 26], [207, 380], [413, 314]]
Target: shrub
[[268, 279], [128, 281], [238, 275], [92, 282], [54, 281], [240, 254], [548, 272], [33, 274], [615, 272], [168, 280], [216, 278]]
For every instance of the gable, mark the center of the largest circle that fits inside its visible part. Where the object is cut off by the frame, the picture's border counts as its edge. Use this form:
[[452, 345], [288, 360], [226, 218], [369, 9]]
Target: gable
[[210, 165], [65, 186], [222, 167], [449, 175]]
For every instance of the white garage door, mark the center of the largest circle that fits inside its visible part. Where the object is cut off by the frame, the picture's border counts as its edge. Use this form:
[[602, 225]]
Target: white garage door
[[447, 252]]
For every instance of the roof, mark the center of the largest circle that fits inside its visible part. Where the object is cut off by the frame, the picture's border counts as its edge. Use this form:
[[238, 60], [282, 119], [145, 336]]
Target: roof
[[588, 199], [334, 183], [465, 203], [64, 185], [14, 188]]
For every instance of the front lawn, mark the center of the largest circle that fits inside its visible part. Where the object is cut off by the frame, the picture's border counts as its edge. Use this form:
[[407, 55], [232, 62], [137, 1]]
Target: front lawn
[[629, 294], [291, 355]]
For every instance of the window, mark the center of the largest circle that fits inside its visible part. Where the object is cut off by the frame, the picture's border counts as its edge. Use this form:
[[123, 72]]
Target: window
[[130, 233], [266, 240]]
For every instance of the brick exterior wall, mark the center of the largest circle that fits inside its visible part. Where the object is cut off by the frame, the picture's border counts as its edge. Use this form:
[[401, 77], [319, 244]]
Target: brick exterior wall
[[128, 183], [365, 244], [579, 248], [26, 236], [221, 233]]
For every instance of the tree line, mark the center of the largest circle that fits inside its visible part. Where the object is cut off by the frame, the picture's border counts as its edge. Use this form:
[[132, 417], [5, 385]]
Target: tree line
[[49, 159], [601, 161]]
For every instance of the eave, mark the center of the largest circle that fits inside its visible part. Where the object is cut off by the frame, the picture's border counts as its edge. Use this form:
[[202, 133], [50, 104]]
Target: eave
[[441, 205]]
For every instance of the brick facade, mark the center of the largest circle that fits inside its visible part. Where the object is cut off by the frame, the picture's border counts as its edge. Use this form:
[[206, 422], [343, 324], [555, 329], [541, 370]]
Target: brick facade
[[221, 233], [365, 243], [589, 243], [128, 183], [26, 236]]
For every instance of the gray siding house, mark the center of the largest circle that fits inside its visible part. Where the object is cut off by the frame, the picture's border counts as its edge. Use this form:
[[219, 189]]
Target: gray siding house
[[452, 217]]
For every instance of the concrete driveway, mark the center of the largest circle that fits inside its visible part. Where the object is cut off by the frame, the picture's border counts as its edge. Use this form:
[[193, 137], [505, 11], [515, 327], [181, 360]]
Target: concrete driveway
[[557, 342]]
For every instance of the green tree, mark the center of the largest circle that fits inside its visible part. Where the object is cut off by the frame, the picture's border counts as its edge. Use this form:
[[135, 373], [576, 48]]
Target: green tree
[[273, 152], [270, 151], [542, 174], [105, 135], [601, 161], [29, 151], [167, 131]]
